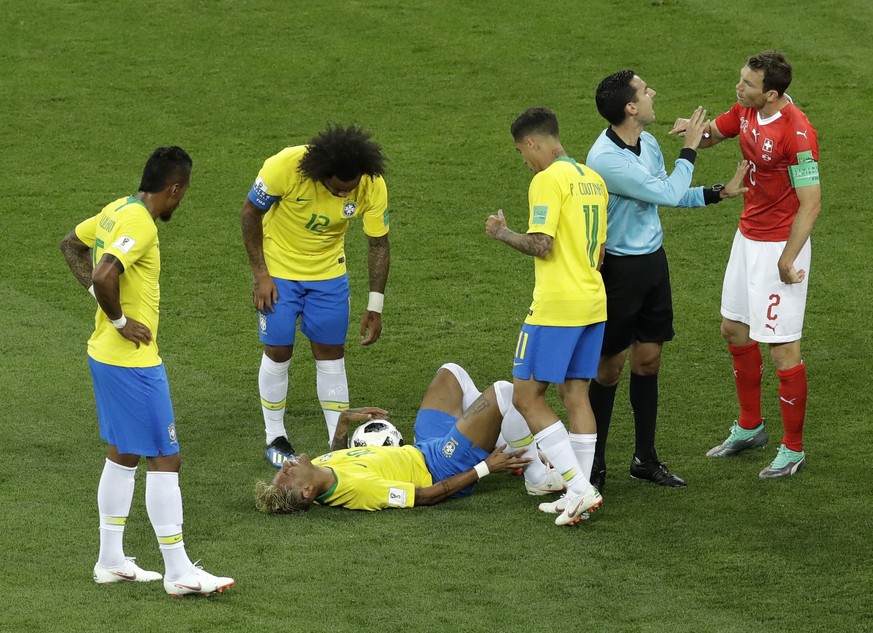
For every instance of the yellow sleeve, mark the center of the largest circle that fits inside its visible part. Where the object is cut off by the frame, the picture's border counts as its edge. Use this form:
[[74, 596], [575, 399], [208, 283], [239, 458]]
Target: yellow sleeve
[[274, 176], [87, 230], [544, 197], [376, 213], [133, 235]]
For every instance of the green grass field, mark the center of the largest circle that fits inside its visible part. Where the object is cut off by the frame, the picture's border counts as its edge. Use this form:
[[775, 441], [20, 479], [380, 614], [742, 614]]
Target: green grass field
[[88, 89]]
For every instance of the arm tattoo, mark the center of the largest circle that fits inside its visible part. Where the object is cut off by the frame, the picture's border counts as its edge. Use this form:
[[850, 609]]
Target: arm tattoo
[[252, 223], [78, 257], [378, 262], [535, 244]]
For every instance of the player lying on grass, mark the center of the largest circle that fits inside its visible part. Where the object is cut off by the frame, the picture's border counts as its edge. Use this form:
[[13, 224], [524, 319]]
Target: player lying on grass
[[460, 434]]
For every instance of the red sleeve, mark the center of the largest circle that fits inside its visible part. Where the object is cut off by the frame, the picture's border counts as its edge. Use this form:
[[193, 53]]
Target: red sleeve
[[803, 137], [729, 122]]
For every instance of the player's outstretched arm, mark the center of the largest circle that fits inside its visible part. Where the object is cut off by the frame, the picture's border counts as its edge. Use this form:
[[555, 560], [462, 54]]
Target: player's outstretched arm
[[497, 461], [711, 134]]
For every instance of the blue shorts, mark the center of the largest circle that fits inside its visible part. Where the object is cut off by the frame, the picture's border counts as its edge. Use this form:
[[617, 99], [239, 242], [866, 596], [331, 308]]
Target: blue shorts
[[432, 424], [555, 354], [134, 409], [324, 306], [450, 454]]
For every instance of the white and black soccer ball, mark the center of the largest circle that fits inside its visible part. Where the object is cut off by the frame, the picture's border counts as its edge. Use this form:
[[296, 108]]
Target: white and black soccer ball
[[377, 433]]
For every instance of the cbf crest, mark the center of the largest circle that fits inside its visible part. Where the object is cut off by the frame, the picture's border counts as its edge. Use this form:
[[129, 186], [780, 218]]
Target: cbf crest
[[450, 447], [349, 208], [262, 322], [171, 431]]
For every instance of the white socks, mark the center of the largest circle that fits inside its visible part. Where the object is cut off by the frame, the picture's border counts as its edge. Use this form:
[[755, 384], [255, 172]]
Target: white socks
[[332, 387], [583, 446], [554, 442], [114, 496], [164, 505], [516, 434], [273, 388]]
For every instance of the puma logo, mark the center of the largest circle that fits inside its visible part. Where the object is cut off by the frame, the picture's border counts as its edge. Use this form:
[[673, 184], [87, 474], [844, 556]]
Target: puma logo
[[787, 401], [770, 327], [803, 134]]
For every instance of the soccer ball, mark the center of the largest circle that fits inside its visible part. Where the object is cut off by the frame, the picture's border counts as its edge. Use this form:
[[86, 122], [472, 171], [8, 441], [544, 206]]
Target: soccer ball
[[377, 433]]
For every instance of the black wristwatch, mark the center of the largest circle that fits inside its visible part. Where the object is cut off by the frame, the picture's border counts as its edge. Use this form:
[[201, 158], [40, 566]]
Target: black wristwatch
[[713, 194]]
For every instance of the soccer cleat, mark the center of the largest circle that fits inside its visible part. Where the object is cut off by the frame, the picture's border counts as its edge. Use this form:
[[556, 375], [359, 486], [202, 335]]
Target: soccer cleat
[[553, 483], [557, 507], [197, 581], [280, 451], [577, 505], [128, 571], [656, 472], [598, 473], [787, 462], [740, 440]]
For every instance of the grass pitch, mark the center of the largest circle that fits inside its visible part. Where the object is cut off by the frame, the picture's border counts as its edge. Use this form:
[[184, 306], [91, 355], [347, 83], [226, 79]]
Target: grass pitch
[[88, 89]]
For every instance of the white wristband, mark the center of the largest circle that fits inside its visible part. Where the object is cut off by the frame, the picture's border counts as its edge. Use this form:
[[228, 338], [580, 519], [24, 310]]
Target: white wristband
[[481, 469], [376, 302], [91, 290], [120, 322]]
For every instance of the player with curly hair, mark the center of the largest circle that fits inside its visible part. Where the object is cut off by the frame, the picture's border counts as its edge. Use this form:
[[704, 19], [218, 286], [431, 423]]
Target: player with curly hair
[[294, 222]]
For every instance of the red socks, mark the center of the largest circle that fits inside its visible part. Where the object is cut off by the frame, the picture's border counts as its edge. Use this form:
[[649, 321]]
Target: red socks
[[792, 401], [748, 368]]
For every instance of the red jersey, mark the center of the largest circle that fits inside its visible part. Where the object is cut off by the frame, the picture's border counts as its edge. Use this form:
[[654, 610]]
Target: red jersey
[[772, 146]]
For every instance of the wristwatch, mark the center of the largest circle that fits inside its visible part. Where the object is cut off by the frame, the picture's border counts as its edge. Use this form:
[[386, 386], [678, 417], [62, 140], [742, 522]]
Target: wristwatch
[[717, 188]]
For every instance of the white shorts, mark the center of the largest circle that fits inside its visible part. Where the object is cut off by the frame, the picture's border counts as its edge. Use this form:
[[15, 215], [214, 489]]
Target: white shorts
[[753, 293]]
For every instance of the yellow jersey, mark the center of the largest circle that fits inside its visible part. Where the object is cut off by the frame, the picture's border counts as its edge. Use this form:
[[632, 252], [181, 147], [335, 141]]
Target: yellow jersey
[[305, 225], [125, 228], [375, 477], [568, 202]]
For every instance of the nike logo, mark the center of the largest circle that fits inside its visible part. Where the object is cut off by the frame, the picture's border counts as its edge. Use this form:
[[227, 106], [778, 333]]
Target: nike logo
[[514, 364], [122, 574], [198, 587], [786, 401], [803, 134], [299, 199]]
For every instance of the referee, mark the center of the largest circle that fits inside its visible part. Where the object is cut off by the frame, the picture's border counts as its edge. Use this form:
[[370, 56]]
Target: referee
[[639, 303]]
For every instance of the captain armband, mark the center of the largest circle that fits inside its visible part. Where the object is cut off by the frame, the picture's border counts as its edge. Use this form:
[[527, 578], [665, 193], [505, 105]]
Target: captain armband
[[805, 172]]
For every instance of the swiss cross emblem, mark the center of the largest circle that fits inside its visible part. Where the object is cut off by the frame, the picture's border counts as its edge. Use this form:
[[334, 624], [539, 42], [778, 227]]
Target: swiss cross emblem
[[768, 145]]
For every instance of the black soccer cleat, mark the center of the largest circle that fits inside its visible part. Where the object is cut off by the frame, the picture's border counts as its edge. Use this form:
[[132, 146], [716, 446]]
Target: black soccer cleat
[[656, 472]]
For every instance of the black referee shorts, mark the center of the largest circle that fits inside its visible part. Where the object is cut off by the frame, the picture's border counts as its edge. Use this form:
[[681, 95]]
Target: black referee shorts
[[639, 301]]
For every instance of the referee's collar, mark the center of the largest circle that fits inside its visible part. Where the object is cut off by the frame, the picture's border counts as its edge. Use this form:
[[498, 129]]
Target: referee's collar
[[615, 138]]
